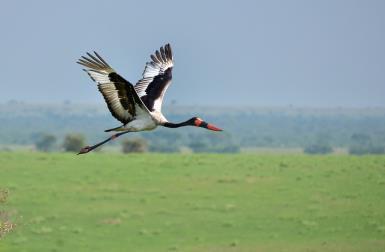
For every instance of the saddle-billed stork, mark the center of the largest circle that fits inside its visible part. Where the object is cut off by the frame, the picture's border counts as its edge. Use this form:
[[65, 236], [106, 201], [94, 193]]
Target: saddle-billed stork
[[137, 107]]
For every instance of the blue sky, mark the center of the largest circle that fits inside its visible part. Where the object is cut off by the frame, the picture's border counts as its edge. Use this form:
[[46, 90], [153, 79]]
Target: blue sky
[[228, 53]]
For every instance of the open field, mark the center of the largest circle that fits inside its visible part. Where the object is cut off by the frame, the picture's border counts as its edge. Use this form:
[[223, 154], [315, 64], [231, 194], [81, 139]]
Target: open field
[[207, 202]]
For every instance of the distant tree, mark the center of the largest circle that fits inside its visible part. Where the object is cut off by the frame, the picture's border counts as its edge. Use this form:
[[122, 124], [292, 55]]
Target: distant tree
[[164, 140], [134, 145], [377, 149], [320, 145], [362, 144], [359, 144], [366, 149], [234, 148], [73, 142], [360, 139], [199, 146], [46, 142], [204, 146], [159, 146], [318, 148]]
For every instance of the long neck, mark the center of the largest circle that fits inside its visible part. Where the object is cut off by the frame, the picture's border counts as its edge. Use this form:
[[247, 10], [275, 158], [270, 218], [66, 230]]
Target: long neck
[[176, 125]]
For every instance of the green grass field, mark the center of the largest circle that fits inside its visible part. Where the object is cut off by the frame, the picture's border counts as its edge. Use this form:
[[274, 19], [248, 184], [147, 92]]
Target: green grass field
[[171, 202]]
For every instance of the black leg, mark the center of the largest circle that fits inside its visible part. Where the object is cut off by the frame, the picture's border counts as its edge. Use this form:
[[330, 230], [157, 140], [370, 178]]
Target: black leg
[[87, 149]]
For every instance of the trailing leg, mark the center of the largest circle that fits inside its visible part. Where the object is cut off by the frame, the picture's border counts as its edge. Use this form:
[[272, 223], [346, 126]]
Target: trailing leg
[[87, 149]]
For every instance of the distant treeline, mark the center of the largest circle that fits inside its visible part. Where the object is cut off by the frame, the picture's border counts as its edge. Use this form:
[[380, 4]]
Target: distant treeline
[[360, 130]]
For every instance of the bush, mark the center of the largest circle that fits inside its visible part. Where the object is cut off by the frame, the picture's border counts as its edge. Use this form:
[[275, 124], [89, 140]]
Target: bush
[[360, 139], [73, 142], [163, 140], [366, 149], [45, 142], [318, 149], [231, 149], [163, 147], [213, 143], [201, 147], [134, 145], [362, 144]]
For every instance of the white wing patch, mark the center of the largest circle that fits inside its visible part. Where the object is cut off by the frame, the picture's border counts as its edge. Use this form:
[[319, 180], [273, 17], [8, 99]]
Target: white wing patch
[[100, 77], [161, 61]]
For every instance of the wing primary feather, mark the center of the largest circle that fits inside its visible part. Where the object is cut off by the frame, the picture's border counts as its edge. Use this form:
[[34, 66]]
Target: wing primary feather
[[164, 58], [87, 60], [105, 63], [158, 56], [92, 78], [87, 64], [166, 51], [169, 51], [95, 71], [96, 60], [80, 63], [154, 58]]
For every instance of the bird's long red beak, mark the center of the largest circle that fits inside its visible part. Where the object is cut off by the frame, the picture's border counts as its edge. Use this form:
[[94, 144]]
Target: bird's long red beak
[[213, 127], [200, 123]]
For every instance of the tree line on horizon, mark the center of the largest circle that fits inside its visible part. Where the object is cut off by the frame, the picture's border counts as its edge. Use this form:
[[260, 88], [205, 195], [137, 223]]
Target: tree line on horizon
[[314, 130], [361, 144], [75, 141]]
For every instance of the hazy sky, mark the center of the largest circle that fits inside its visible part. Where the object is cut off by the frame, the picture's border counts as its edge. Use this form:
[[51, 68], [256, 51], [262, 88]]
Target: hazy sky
[[258, 53]]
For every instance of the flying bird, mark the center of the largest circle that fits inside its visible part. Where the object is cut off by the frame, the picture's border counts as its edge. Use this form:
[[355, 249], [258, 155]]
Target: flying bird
[[137, 107]]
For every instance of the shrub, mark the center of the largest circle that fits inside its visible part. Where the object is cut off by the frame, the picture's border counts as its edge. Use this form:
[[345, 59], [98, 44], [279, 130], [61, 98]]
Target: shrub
[[134, 145], [366, 149], [318, 149], [200, 147], [362, 144], [73, 142], [162, 147], [45, 142]]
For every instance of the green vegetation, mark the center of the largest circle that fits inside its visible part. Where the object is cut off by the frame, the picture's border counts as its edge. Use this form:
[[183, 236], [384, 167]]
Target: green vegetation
[[195, 202], [134, 145], [363, 144], [247, 128], [321, 146], [318, 149], [73, 142], [46, 142]]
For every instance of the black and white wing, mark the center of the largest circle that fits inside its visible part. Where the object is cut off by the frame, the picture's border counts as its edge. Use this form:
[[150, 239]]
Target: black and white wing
[[157, 77], [119, 94]]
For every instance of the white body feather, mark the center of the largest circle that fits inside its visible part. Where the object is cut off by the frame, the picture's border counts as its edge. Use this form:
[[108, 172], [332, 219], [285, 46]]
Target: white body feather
[[145, 121]]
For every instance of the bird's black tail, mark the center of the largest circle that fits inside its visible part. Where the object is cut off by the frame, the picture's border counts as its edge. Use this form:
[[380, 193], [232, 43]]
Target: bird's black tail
[[119, 128]]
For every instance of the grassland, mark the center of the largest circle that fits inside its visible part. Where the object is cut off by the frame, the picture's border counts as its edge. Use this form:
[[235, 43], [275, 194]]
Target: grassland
[[171, 202]]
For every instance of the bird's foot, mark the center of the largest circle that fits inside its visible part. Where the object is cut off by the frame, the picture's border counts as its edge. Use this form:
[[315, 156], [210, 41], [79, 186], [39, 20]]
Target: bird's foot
[[85, 150]]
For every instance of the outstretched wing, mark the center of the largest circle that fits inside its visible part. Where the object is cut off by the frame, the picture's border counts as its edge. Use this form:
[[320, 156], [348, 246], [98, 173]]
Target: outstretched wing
[[119, 94], [157, 77]]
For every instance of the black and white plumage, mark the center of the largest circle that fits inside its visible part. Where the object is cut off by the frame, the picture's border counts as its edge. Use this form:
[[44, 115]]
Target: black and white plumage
[[120, 96], [157, 77], [137, 107]]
